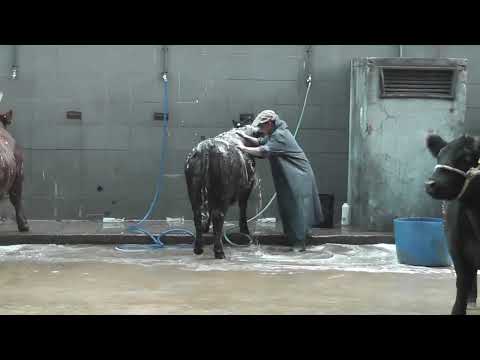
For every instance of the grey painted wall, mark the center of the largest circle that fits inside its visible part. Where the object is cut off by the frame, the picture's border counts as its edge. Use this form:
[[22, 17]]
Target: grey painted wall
[[117, 143], [388, 158]]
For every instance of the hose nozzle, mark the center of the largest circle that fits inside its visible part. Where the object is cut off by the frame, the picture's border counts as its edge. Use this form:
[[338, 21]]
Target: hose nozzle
[[164, 77], [13, 74]]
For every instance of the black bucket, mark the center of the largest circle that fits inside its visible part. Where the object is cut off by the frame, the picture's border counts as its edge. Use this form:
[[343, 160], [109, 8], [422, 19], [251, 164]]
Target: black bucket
[[327, 201]]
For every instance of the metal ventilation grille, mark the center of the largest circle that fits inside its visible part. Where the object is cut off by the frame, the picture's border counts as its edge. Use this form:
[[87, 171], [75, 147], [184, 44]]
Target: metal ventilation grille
[[408, 82]]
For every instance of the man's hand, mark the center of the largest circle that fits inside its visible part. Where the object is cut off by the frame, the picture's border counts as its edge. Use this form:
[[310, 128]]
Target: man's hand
[[251, 140], [242, 134], [241, 147], [255, 151]]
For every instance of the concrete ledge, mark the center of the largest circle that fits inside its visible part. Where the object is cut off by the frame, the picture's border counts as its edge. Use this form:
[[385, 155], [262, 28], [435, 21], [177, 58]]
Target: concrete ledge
[[90, 232]]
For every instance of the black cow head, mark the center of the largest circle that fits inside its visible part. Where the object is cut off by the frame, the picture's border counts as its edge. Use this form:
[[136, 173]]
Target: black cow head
[[6, 119], [245, 119], [460, 154]]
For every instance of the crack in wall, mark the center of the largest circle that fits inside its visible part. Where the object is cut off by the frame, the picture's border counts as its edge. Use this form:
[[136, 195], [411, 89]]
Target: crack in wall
[[384, 110]]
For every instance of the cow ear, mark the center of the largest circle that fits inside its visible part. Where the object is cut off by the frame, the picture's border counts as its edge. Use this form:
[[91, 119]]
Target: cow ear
[[9, 117], [472, 143], [6, 118], [435, 143]]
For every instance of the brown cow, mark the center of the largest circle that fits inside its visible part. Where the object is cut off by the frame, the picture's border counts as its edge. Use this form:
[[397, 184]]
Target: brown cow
[[11, 169]]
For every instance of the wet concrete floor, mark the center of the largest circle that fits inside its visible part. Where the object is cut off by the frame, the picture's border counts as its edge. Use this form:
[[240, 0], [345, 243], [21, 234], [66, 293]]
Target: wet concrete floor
[[328, 279]]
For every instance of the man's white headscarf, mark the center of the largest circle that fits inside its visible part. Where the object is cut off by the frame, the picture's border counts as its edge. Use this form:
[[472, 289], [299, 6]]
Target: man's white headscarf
[[264, 116]]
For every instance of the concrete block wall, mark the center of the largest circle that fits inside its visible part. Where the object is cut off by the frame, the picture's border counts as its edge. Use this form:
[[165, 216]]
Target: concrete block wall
[[472, 54], [115, 147]]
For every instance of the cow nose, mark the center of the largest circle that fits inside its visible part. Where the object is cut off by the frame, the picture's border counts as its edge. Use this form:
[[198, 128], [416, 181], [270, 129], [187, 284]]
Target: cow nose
[[429, 185]]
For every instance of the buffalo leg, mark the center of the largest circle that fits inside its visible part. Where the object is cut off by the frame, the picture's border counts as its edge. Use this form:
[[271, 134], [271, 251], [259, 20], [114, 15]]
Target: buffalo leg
[[242, 203], [472, 295], [197, 219], [16, 200], [218, 218], [465, 277], [195, 195], [206, 217], [206, 220]]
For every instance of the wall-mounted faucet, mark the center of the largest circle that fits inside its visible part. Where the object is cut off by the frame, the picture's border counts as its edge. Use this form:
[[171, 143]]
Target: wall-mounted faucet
[[308, 64], [14, 73], [14, 70], [164, 63]]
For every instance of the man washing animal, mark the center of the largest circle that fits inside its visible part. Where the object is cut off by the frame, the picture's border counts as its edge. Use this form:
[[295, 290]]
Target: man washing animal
[[293, 177]]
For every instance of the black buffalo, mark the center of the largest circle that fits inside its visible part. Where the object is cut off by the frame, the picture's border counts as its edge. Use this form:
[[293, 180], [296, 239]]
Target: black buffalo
[[218, 174], [462, 216]]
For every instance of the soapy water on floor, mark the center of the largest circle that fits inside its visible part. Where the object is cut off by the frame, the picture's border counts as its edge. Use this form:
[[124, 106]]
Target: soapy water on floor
[[379, 258]]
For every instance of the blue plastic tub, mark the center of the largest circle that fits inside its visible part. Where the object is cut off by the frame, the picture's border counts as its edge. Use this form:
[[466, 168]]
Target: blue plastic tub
[[421, 242]]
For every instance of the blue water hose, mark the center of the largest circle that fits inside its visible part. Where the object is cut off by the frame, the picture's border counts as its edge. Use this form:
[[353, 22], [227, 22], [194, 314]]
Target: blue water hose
[[137, 228]]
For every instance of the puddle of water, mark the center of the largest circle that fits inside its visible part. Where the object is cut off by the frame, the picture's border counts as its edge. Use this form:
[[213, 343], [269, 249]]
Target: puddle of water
[[264, 259]]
